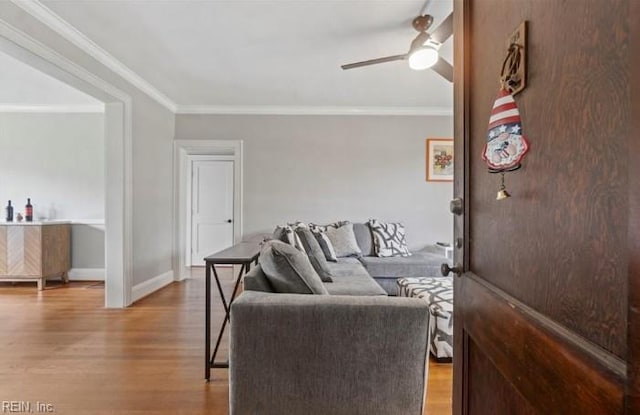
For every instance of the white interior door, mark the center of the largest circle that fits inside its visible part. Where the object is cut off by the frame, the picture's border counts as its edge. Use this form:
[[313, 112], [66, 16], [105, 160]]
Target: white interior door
[[211, 208]]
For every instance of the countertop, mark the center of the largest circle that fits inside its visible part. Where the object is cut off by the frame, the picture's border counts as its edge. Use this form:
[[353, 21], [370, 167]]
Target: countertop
[[35, 223]]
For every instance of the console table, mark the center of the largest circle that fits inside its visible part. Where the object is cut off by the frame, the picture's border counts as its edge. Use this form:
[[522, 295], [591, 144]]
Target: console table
[[34, 251], [243, 254]]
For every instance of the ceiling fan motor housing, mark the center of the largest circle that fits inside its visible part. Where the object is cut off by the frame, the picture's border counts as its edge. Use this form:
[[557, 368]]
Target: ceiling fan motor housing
[[422, 23]]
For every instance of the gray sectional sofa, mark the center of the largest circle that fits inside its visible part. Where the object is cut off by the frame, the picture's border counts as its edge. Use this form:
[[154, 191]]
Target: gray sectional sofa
[[353, 351], [387, 270]]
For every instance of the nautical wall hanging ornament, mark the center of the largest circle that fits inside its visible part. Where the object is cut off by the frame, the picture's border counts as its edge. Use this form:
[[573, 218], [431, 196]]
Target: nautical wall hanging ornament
[[506, 145]]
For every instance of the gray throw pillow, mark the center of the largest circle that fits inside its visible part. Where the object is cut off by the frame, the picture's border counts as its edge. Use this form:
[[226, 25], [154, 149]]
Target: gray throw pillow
[[287, 234], [325, 243], [289, 270], [315, 253], [344, 240]]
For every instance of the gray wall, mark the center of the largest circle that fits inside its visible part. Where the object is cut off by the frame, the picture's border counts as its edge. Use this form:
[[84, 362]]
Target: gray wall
[[58, 161], [87, 246], [327, 168], [153, 129]]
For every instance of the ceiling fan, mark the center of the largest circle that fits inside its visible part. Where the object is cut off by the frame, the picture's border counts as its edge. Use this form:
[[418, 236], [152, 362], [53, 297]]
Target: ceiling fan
[[423, 52]]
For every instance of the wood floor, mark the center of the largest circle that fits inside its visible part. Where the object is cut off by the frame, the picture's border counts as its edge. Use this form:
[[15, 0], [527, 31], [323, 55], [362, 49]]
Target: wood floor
[[61, 347]]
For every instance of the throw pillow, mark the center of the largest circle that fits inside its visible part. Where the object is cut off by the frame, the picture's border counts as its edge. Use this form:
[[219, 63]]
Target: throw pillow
[[315, 253], [344, 240], [389, 239], [289, 270], [325, 244], [287, 234], [323, 228]]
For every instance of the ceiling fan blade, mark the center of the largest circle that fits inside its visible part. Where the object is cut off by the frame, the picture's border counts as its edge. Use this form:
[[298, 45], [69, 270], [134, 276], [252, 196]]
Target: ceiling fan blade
[[374, 61], [444, 69], [444, 31]]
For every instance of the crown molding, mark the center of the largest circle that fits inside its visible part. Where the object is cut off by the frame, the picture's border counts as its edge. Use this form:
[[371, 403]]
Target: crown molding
[[98, 108], [311, 110], [56, 23], [73, 35]]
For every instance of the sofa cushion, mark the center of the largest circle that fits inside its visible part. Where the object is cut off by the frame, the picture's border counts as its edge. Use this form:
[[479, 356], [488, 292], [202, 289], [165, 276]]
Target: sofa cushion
[[389, 239], [343, 240], [351, 278], [315, 253], [289, 270], [364, 238], [420, 264], [355, 285], [390, 285], [347, 260]]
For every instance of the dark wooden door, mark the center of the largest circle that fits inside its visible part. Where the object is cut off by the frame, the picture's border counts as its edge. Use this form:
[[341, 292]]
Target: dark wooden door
[[543, 302]]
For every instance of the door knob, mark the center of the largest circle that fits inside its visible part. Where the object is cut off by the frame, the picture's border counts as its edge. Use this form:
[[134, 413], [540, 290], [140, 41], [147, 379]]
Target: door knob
[[445, 269], [455, 206], [229, 221]]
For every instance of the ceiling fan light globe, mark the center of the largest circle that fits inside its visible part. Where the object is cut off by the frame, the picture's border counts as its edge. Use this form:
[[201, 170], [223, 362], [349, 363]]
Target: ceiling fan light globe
[[423, 58]]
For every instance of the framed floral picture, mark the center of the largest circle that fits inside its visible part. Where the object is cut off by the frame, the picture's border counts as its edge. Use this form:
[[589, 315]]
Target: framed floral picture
[[439, 159]]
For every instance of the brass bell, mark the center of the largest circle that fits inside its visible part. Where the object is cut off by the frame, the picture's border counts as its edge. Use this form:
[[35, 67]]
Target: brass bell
[[503, 194]]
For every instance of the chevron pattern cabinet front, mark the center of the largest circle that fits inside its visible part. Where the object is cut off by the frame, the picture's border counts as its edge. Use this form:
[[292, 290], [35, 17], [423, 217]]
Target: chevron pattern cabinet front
[[3, 250], [34, 252]]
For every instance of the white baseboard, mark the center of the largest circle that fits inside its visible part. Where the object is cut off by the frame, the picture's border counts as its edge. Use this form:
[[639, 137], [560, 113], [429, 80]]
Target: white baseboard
[[184, 275], [86, 274], [154, 284]]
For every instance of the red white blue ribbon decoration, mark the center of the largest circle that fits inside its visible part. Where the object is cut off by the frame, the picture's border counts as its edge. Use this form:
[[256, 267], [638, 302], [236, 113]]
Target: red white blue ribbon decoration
[[506, 145]]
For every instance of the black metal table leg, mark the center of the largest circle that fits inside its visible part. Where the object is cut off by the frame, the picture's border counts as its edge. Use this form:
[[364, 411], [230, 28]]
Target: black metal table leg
[[207, 319], [227, 310], [243, 253]]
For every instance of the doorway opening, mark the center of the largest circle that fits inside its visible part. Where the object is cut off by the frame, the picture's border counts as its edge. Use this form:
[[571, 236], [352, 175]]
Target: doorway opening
[[208, 185], [117, 153]]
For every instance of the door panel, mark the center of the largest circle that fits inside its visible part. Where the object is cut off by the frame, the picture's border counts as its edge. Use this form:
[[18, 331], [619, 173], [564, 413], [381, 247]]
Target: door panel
[[555, 370], [211, 237], [211, 207], [493, 394], [541, 309]]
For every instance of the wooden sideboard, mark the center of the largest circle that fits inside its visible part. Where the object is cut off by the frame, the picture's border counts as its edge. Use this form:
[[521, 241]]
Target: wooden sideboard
[[35, 251]]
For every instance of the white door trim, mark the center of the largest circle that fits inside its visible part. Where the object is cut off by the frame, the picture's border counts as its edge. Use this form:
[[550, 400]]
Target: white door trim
[[182, 150], [189, 217], [118, 152]]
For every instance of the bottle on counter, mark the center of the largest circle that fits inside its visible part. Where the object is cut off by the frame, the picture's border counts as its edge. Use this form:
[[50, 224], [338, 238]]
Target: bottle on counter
[[9, 212], [28, 211]]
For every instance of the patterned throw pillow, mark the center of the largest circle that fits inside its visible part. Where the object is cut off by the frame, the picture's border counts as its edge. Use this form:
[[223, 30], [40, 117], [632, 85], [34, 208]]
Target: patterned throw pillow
[[389, 239], [323, 228]]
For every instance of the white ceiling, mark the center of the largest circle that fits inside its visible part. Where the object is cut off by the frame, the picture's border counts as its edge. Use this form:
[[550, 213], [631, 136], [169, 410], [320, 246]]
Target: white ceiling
[[25, 88], [266, 52]]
